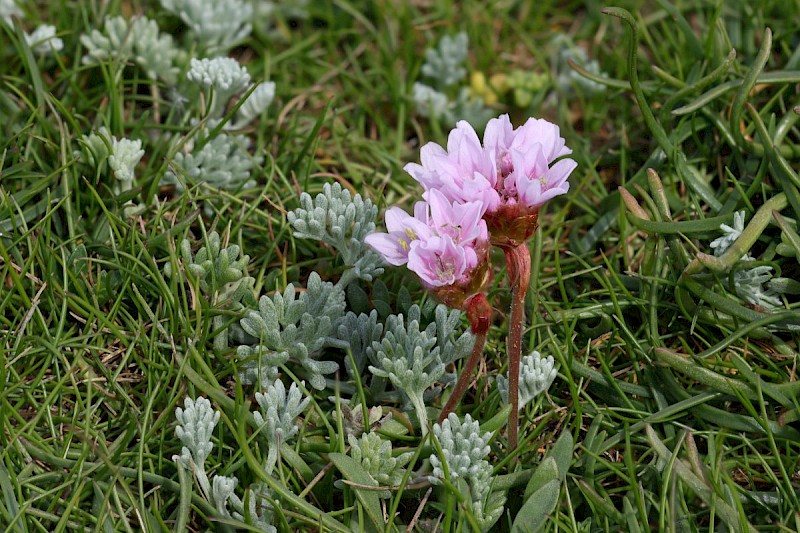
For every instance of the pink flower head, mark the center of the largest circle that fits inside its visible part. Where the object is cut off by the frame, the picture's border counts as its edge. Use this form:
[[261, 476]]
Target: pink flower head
[[439, 261], [403, 230], [464, 172], [512, 167], [441, 243], [523, 157]]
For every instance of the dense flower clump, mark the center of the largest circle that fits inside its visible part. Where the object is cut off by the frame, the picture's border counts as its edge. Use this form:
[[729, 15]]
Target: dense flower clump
[[475, 192]]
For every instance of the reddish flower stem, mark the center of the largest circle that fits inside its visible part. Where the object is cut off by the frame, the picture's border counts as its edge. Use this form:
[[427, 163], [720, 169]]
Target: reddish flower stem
[[518, 264], [479, 311]]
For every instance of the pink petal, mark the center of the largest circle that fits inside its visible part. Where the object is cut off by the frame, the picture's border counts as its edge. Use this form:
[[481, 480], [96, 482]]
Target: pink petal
[[499, 133], [390, 247]]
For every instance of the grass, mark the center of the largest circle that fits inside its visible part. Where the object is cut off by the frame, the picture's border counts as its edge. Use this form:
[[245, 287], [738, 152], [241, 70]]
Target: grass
[[682, 398]]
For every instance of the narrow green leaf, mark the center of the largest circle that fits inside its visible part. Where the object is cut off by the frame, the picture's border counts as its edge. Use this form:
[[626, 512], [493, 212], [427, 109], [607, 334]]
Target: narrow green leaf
[[11, 507], [631, 517]]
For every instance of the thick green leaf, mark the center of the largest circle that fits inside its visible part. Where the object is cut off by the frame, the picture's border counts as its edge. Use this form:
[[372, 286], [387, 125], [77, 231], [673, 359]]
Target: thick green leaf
[[546, 472], [497, 421], [370, 499], [533, 514], [562, 453]]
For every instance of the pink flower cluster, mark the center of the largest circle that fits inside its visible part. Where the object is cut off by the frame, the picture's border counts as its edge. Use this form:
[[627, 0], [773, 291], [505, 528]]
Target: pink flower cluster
[[507, 177]]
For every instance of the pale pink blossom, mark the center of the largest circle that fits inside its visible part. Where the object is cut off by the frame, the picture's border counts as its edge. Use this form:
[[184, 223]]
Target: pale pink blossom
[[441, 242], [524, 157], [465, 172], [512, 166], [439, 261]]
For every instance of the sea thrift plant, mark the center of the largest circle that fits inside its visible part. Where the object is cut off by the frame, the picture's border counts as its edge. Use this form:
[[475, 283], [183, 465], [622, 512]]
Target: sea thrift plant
[[443, 242], [506, 179]]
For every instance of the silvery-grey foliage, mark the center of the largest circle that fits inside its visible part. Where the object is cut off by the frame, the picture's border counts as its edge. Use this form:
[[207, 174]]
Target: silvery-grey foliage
[[464, 449], [95, 147], [431, 103], [487, 505], [341, 220], [219, 271], [218, 25], [359, 331], [469, 108], [567, 79], [224, 162], [125, 155], [451, 345], [296, 328], [221, 274], [536, 374], [43, 40], [8, 9], [409, 358], [224, 75], [260, 507], [256, 103], [196, 422], [748, 283], [375, 456], [277, 419], [222, 491], [121, 155], [445, 62], [721, 244], [137, 40]]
